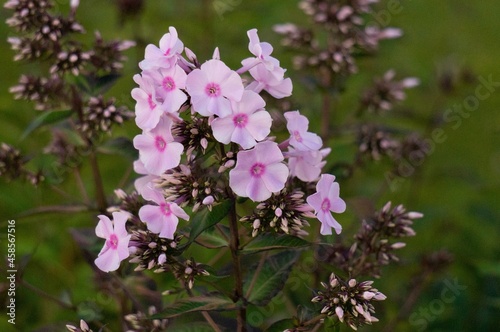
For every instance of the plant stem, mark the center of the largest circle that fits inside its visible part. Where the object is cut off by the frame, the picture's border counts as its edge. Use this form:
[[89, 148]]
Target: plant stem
[[47, 295], [234, 244], [99, 188]]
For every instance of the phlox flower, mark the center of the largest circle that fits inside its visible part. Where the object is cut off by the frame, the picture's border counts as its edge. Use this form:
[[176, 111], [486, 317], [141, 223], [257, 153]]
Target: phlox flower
[[262, 52], [163, 218], [116, 246], [266, 80], [164, 56], [248, 123], [306, 165], [300, 138], [145, 184], [259, 172], [327, 200], [148, 109], [213, 87], [157, 149], [168, 83]]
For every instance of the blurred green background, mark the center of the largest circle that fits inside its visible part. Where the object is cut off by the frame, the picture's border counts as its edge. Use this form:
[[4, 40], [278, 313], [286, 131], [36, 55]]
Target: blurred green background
[[457, 187]]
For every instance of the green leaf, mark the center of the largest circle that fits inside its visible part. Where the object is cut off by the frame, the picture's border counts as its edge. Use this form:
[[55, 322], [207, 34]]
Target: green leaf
[[198, 303], [271, 278], [281, 325], [271, 241], [206, 219], [120, 146], [212, 239], [46, 118]]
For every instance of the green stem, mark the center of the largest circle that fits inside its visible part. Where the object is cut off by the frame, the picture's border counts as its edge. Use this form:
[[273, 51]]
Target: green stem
[[238, 288]]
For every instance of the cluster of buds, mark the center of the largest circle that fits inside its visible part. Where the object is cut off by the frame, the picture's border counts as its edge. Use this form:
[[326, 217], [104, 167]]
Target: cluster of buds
[[350, 302], [43, 91], [98, 115], [386, 92], [348, 35], [376, 242], [206, 139], [374, 142], [12, 165], [141, 322], [84, 327]]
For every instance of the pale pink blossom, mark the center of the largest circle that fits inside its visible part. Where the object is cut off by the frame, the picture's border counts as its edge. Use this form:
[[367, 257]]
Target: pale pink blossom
[[157, 149], [306, 165], [164, 56], [248, 123], [163, 218], [300, 138], [259, 172], [262, 52], [148, 109], [213, 87], [327, 200], [168, 83], [116, 246], [145, 185], [266, 80]]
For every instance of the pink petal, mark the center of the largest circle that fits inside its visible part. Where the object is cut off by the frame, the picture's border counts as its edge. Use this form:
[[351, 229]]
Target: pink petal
[[169, 227], [108, 261], [153, 217], [104, 227], [259, 125], [238, 181], [222, 129], [275, 177], [243, 138], [268, 153], [257, 190]]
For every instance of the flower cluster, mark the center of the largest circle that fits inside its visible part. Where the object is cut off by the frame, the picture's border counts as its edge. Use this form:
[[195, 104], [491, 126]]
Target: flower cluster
[[350, 302], [206, 138], [141, 322], [12, 165]]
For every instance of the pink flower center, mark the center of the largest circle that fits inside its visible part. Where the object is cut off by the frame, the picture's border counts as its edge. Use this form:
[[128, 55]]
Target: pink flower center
[[257, 169], [325, 205], [160, 143], [112, 242], [168, 83], [297, 136], [212, 90], [240, 120], [152, 105], [167, 52], [165, 209]]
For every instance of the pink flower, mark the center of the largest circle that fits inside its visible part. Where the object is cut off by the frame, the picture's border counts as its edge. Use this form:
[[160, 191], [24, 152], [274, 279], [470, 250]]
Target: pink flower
[[162, 218], [306, 165], [327, 200], [169, 83], [248, 123], [262, 52], [300, 138], [266, 80], [116, 246], [213, 87], [157, 149], [166, 55], [145, 184], [259, 172], [148, 109]]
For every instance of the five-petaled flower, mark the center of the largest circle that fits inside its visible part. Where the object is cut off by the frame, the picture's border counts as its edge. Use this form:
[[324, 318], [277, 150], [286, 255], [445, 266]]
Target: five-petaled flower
[[259, 172], [327, 200], [116, 246], [164, 56], [300, 138]]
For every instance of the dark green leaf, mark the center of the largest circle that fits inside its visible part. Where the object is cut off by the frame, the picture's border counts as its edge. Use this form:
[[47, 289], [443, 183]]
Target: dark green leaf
[[271, 278], [46, 118], [206, 219], [272, 241], [212, 238], [120, 146], [199, 303]]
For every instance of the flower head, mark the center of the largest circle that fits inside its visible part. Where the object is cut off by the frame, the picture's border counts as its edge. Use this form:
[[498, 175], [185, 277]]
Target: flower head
[[300, 138], [164, 56], [116, 246], [213, 87], [247, 124], [163, 218], [259, 172], [327, 200]]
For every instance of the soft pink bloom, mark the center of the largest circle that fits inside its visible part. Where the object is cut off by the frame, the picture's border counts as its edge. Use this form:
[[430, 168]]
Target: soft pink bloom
[[157, 149], [164, 56], [248, 123], [266, 80], [259, 172], [168, 83], [306, 165], [145, 185], [163, 218], [148, 109], [213, 87], [116, 246], [300, 138], [327, 200], [262, 52]]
